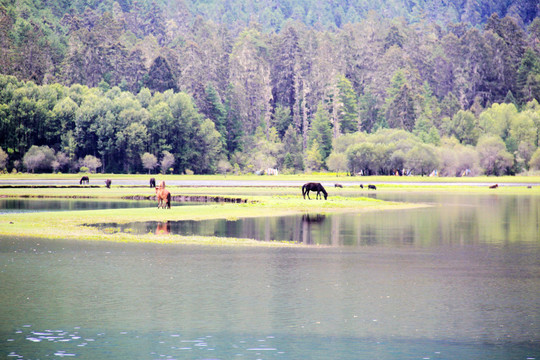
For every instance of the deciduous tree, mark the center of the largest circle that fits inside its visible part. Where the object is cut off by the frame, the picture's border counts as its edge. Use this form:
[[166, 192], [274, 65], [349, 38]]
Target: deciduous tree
[[494, 158], [149, 161]]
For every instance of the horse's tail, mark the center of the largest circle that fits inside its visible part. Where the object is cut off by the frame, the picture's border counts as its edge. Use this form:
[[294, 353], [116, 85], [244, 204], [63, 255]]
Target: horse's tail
[[304, 190], [169, 200]]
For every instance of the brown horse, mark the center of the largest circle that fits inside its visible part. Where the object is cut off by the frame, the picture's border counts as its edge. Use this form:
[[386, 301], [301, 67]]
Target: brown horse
[[163, 196]]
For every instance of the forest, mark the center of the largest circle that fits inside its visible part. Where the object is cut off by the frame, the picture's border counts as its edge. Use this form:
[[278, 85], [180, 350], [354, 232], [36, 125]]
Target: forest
[[370, 87]]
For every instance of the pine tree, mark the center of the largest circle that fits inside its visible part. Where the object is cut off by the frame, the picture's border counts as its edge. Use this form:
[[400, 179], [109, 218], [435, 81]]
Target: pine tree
[[528, 76], [292, 147], [400, 108], [214, 109], [321, 132], [160, 76], [284, 69], [348, 113], [369, 111]]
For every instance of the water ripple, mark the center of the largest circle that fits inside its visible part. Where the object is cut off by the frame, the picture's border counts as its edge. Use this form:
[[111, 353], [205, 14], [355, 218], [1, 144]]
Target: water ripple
[[28, 343]]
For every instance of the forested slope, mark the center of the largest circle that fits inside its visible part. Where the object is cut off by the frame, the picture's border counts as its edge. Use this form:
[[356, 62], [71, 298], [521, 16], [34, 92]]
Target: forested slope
[[284, 80]]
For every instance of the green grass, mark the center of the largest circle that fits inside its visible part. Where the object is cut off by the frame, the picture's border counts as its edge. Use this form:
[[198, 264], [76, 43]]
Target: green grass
[[262, 201], [69, 224]]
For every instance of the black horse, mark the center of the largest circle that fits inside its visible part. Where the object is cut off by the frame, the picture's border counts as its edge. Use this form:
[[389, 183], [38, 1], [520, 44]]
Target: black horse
[[152, 182], [306, 188], [108, 183], [372, 187], [84, 180]]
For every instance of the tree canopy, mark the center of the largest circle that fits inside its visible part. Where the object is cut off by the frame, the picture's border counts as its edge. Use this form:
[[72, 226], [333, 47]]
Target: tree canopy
[[208, 84]]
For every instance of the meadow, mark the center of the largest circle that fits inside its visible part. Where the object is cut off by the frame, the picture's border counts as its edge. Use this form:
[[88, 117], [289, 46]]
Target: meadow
[[262, 198]]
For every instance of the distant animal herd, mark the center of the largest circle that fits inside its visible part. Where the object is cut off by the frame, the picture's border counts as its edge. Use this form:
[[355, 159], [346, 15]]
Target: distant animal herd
[[164, 196]]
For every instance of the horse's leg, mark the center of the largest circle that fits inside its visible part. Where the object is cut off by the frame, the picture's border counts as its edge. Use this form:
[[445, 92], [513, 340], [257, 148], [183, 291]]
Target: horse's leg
[[307, 192]]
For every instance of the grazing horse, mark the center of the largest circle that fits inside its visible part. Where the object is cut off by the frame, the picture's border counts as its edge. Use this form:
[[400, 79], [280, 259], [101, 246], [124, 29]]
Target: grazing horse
[[108, 183], [152, 182], [306, 188], [338, 185], [494, 186], [84, 180], [361, 186], [163, 196], [372, 187]]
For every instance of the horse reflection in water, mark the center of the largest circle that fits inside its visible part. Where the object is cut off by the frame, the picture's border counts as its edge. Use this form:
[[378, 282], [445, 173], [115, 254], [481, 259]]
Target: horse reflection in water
[[299, 229], [163, 228], [308, 220]]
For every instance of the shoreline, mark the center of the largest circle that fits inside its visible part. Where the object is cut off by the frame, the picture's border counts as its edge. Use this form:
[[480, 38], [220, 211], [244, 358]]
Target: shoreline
[[67, 224], [232, 203]]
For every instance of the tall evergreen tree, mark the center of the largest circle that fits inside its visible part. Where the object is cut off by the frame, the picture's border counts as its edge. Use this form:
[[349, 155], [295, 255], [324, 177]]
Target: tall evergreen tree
[[292, 150], [321, 132], [528, 76], [400, 108], [369, 111], [348, 111], [214, 109], [284, 69], [160, 76]]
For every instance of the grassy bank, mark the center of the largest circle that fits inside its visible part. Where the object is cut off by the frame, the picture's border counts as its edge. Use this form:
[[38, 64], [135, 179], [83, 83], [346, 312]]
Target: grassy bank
[[69, 224], [262, 201]]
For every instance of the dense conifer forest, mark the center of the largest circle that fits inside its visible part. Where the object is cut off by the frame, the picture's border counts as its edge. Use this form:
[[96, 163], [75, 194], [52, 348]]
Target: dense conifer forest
[[362, 86]]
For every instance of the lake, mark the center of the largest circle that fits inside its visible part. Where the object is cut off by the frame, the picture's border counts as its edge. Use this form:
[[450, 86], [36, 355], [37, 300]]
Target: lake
[[457, 280], [15, 205]]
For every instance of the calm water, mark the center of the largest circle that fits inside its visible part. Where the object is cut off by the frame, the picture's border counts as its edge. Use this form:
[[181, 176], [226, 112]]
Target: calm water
[[459, 281], [32, 205], [10, 206], [447, 219]]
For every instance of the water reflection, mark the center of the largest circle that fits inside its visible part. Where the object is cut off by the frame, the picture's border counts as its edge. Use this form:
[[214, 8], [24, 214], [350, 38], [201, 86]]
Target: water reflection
[[34, 205], [449, 219], [473, 293], [99, 300], [163, 228]]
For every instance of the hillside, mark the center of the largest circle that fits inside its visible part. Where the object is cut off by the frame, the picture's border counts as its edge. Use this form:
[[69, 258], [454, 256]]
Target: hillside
[[301, 73]]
